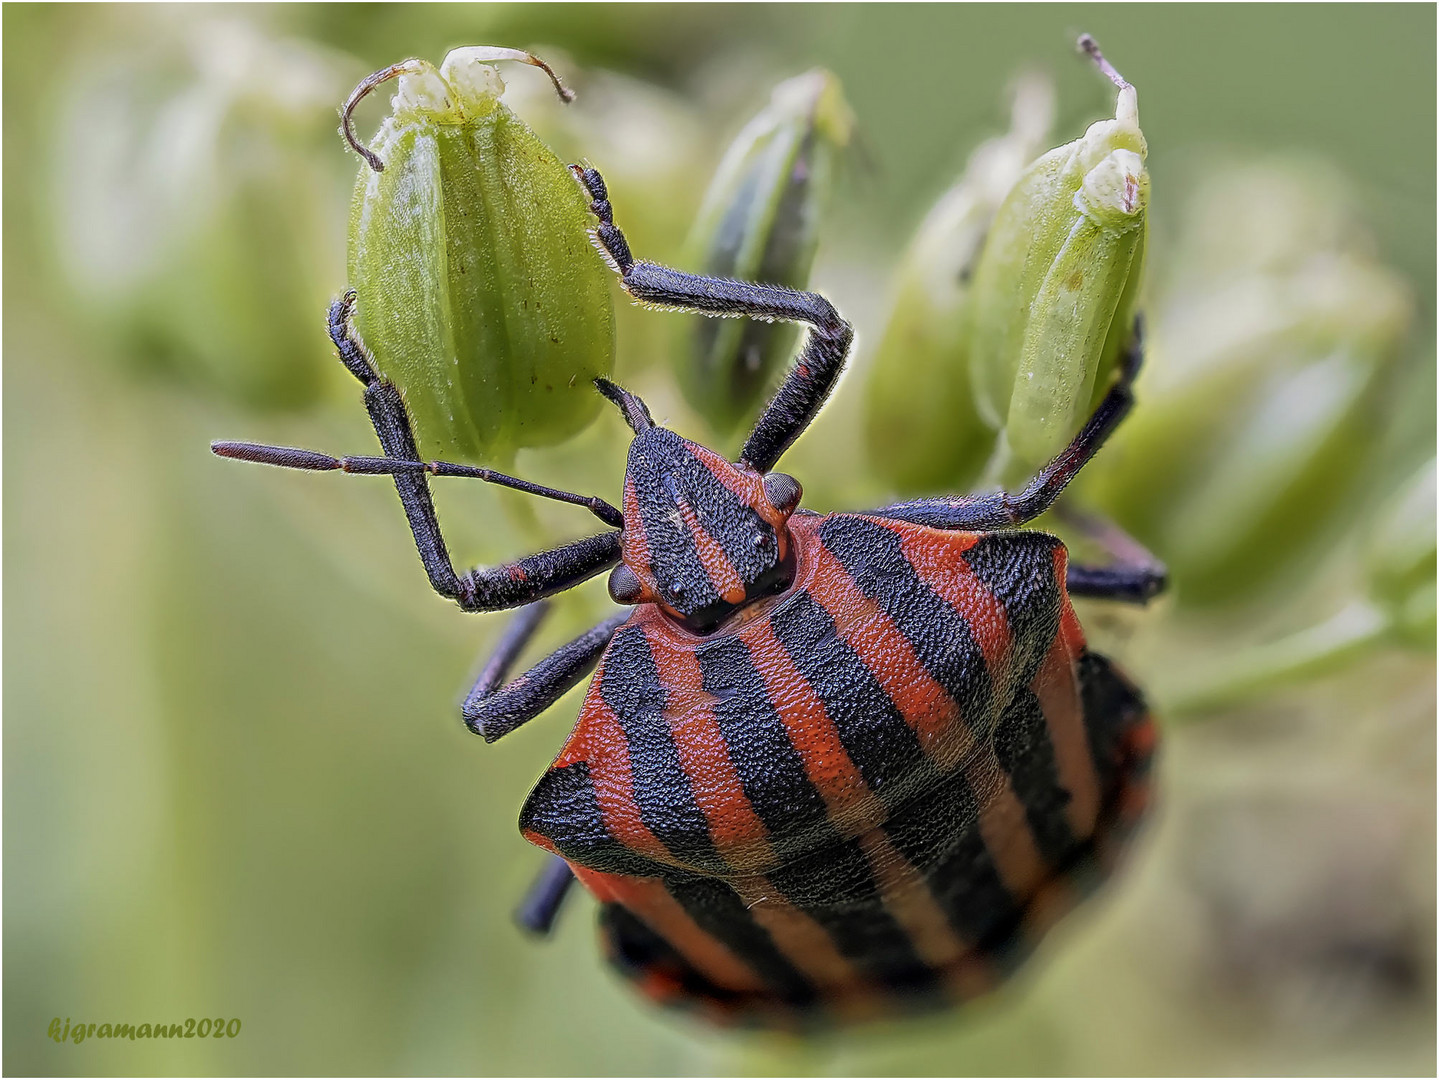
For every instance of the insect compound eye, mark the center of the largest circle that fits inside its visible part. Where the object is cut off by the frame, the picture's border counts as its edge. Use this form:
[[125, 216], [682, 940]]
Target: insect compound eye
[[625, 586], [783, 491]]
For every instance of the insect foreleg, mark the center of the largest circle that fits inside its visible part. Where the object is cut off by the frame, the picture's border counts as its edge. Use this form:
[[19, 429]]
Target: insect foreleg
[[814, 371], [1002, 510], [490, 588]]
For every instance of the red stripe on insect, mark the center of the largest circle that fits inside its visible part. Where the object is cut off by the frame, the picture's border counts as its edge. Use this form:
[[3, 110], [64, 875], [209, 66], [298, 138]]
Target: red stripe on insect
[[924, 704], [599, 740], [908, 899], [1004, 825], [802, 941], [634, 544], [853, 807], [739, 835], [743, 483], [717, 567], [650, 902], [932, 554], [1056, 685], [746, 485], [1070, 630]]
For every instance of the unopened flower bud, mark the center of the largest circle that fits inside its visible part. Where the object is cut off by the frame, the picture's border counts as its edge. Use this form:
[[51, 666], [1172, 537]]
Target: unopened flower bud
[[923, 430], [760, 222], [469, 251], [656, 150], [1055, 286], [653, 145]]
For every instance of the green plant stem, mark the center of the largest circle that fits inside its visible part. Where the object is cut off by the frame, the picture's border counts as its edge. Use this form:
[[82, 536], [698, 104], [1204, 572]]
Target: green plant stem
[[1338, 641]]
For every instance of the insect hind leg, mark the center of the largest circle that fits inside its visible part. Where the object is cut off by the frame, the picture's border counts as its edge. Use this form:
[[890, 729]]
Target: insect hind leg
[[540, 909], [1133, 574]]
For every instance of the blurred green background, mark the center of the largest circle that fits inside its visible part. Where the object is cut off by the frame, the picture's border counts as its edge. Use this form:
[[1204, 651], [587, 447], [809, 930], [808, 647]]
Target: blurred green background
[[235, 780]]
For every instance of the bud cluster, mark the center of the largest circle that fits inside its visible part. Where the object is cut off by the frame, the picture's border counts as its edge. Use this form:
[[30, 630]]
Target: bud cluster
[[1015, 299], [1270, 349]]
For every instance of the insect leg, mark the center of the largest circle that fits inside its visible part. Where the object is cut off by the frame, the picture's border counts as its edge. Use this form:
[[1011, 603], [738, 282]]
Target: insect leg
[[484, 588], [1002, 510], [815, 369], [492, 710], [1133, 574], [540, 908]]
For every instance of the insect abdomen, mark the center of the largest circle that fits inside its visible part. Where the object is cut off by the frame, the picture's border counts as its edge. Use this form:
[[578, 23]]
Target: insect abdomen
[[867, 797], [911, 916]]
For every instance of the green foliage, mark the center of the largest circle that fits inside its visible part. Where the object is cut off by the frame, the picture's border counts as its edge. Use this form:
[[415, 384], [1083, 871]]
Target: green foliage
[[1400, 559], [1054, 288]]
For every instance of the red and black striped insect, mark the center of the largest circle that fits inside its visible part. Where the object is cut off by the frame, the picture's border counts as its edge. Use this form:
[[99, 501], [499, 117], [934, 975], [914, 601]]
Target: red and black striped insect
[[830, 766]]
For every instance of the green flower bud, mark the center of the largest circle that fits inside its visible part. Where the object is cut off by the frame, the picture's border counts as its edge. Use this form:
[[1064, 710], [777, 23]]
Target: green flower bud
[[921, 423], [1055, 286], [653, 145], [760, 222], [656, 151], [1263, 386], [469, 250], [1401, 560], [198, 201]]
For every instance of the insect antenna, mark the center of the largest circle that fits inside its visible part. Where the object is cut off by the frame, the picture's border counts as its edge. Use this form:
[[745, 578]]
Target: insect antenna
[[636, 412], [293, 458]]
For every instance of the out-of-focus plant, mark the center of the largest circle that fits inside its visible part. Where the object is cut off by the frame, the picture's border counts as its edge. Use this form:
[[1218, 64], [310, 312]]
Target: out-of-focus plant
[[197, 208], [923, 429], [1055, 286], [1397, 608], [1400, 560], [479, 295], [760, 222], [1265, 387]]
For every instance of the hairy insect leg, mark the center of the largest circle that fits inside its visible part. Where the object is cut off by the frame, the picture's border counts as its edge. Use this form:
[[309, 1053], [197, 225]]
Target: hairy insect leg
[[484, 588], [1002, 510], [492, 710], [540, 908], [516, 635], [1133, 574], [816, 368]]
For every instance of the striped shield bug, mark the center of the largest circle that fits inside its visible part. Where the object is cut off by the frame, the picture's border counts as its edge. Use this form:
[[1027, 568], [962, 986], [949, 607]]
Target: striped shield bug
[[830, 766]]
